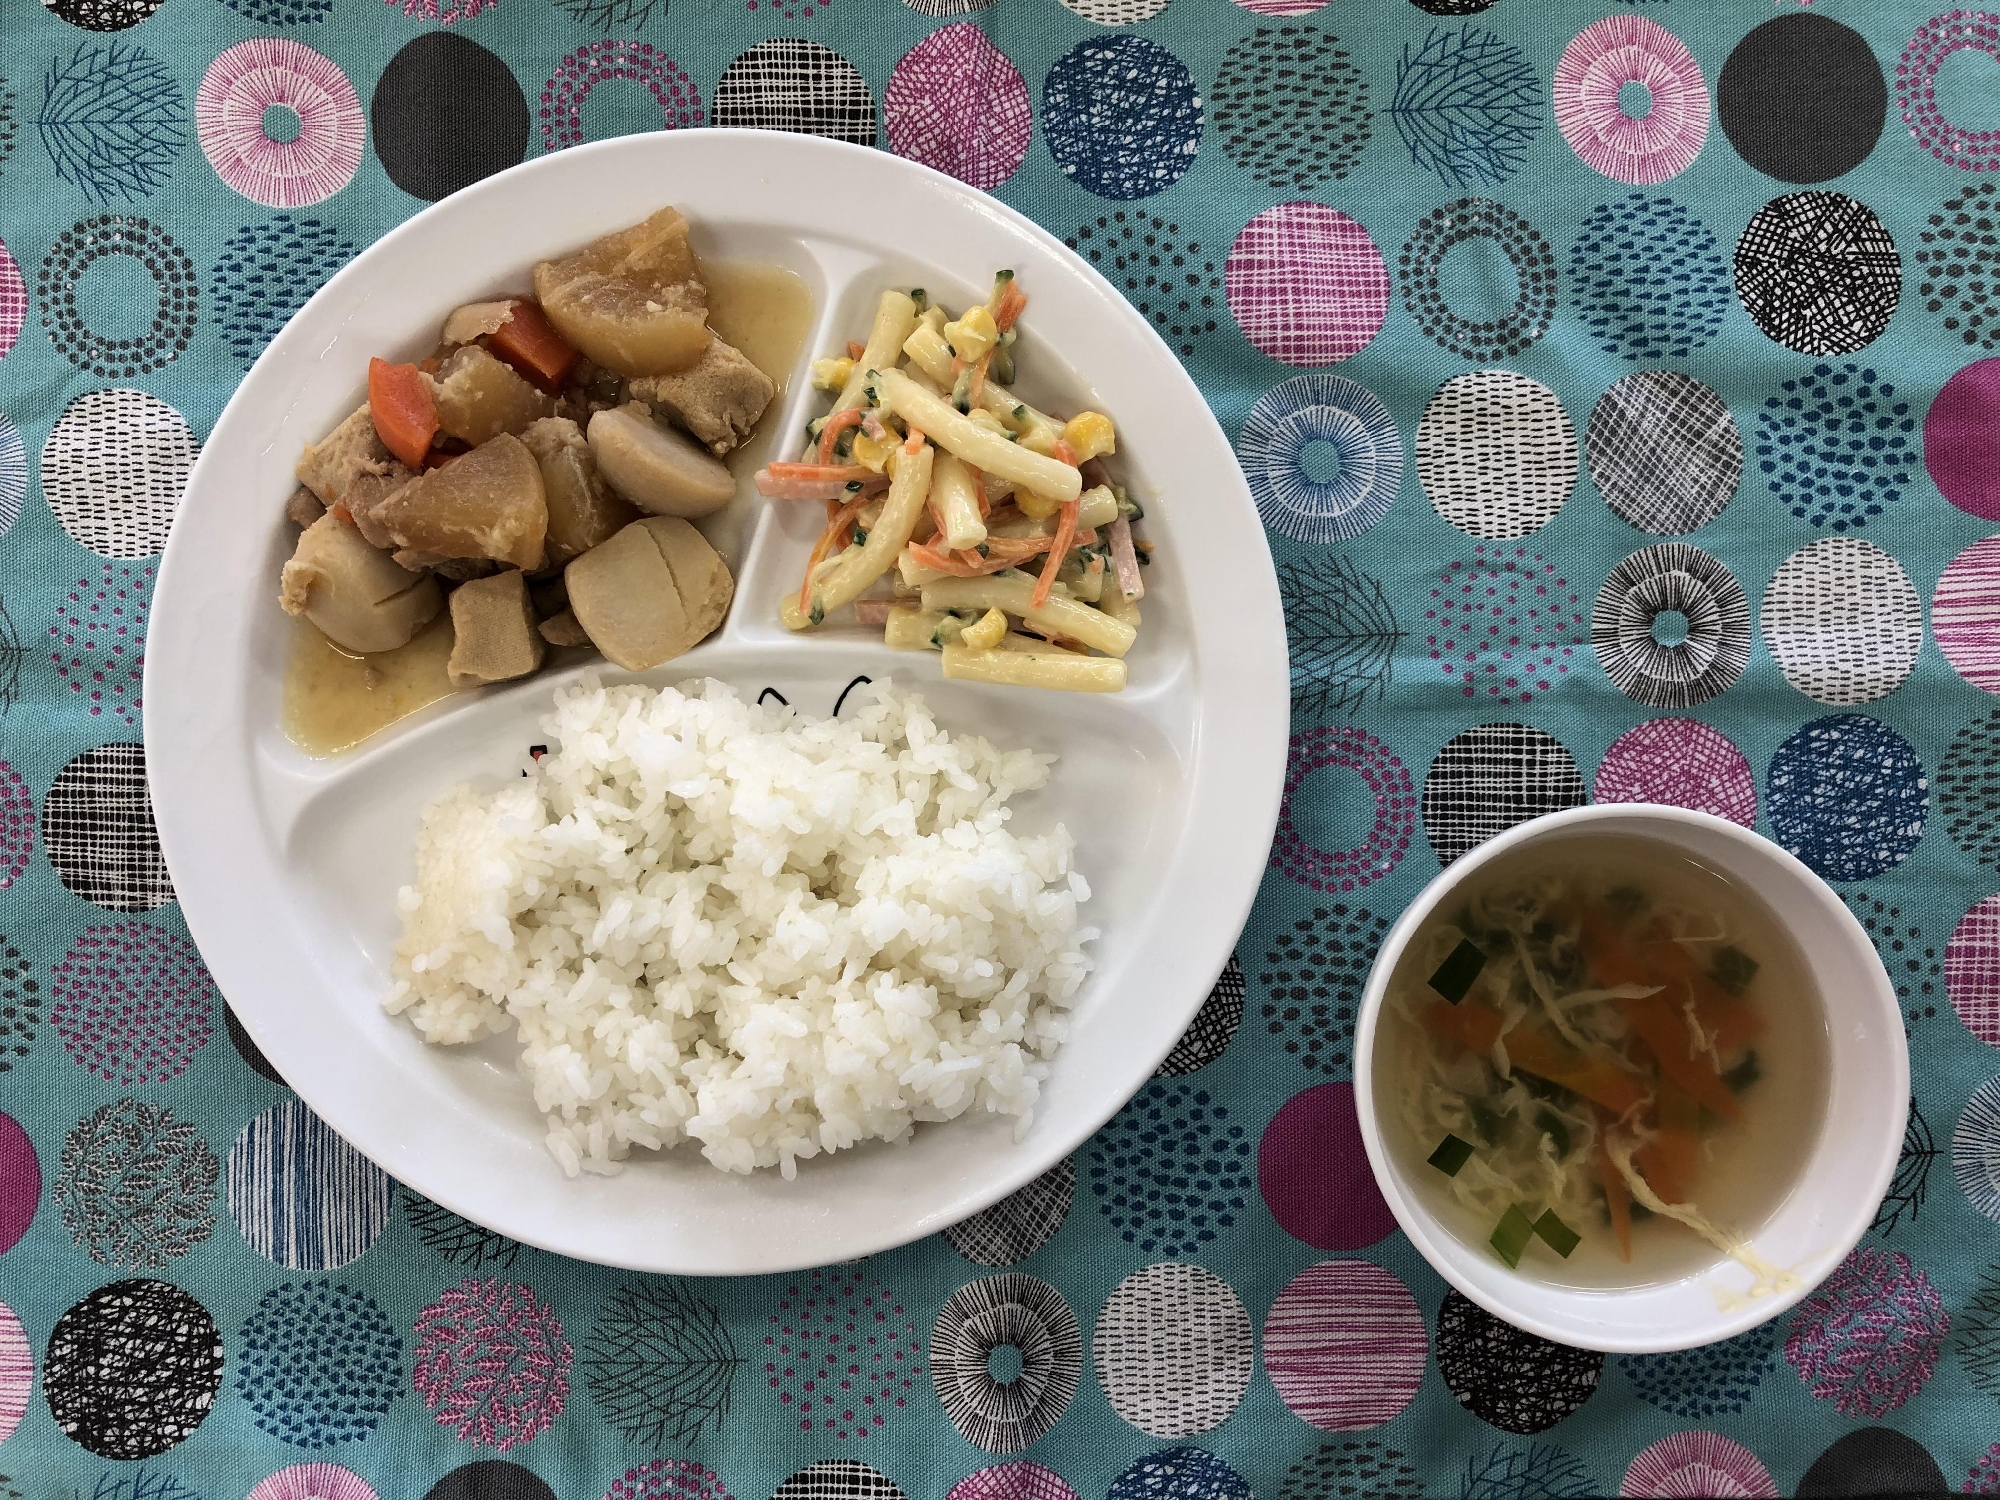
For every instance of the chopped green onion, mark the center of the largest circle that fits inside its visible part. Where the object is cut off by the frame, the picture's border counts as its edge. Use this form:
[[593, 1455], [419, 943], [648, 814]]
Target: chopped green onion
[[860, 537], [1744, 1073], [922, 298], [1733, 969], [1557, 1235], [1451, 1154], [853, 486], [1555, 1130], [1489, 1125], [1511, 1235], [1455, 976]]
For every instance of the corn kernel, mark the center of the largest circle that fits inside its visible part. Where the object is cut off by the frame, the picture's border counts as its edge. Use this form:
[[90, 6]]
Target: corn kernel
[[987, 633], [1040, 437], [871, 454], [973, 334], [831, 374], [1090, 435], [1038, 507], [986, 419]]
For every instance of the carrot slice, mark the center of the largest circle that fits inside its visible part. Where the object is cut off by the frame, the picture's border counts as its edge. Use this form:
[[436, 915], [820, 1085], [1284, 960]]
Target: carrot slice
[[1536, 1051], [1058, 550], [833, 537], [401, 407], [1657, 1020], [1617, 1196], [1729, 1018], [855, 350], [1678, 1119], [529, 342], [836, 424], [1012, 301]]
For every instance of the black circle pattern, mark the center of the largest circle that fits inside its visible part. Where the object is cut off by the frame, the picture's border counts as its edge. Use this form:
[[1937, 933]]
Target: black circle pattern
[[1818, 273], [1914, 967], [1170, 280], [1214, 1025], [1534, 263], [491, 1479], [133, 1369], [136, 1187], [1349, 1469], [1665, 453], [1969, 789], [20, 1005], [1715, 648], [8, 124], [839, 1479], [791, 84], [1013, 1229], [248, 1050], [1291, 107], [1517, 1381], [1172, 1169], [1874, 1461], [1491, 777], [1313, 977], [104, 15], [62, 273], [1960, 260], [1452, 7], [1013, 1311], [1802, 98], [97, 826], [446, 113]]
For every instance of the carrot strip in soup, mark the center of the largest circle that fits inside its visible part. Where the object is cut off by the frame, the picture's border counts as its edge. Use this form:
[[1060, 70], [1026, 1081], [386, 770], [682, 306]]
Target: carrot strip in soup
[[1535, 1051], [1657, 1020], [1617, 1196], [403, 411], [1679, 1141], [529, 342]]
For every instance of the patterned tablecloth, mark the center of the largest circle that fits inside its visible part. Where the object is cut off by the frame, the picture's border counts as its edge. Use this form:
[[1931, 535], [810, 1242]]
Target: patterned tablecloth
[[1614, 384]]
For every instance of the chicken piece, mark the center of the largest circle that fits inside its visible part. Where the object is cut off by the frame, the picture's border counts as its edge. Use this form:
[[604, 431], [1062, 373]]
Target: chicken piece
[[583, 509], [303, 508], [718, 398], [633, 301], [474, 321], [479, 397], [336, 466], [651, 592], [494, 638], [564, 630], [662, 472], [489, 503], [591, 389], [358, 597]]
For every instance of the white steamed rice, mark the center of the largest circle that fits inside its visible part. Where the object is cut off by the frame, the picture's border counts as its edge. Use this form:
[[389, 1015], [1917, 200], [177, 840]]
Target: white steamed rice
[[773, 934]]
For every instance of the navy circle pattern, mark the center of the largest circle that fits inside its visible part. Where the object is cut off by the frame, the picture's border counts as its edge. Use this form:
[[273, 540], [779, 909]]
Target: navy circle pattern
[[1818, 273], [1701, 1385], [1172, 1170], [1515, 1380], [1353, 421], [1969, 789], [1848, 796], [1121, 116], [1179, 1474], [1837, 446], [1959, 255], [1648, 279], [1162, 272], [1711, 654], [59, 286], [321, 1363], [1350, 1468], [112, 119], [1291, 108], [132, 1369], [1343, 633], [1468, 105], [265, 273], [282, 12], [1534, 274], [1312, 978]]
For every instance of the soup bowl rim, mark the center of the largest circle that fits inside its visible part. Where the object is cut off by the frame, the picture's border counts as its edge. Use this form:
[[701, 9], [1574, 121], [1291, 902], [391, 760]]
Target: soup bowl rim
[[1863, 1183]]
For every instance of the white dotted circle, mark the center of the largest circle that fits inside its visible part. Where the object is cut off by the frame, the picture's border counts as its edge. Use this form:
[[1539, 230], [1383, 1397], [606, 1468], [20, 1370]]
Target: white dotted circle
[[114, 469], [1115, 12], [1173, 1349], [1496, 453], [1843, 621]]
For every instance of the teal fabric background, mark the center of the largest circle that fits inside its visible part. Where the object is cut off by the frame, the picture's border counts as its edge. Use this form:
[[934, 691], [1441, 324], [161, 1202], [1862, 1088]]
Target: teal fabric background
[[637, 1387]]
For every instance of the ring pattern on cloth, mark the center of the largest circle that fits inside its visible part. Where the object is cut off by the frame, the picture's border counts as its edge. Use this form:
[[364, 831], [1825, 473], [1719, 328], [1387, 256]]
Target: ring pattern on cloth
[[1306, 284], [1664, 452], [1496, 453], [1698, 1463], [1818, 273], [609, 61], [133, 1369], [1843, 621], [1343, 634], [1916, 87], [113, 470], [1848, 795], [1515, 1380], [788, 83], [1869, 1337], [1014, 1311], [1975, 1150], [1679, 763], [1347, 747], [175, 286], [1960, 260], [1649, 280], [1174, 1350], [1468, 105], [1606, 57], [1349, 418], [1013, 1229], [1527, 253], [1490, 777], [1626, 626], [1504, 619], [1291, 108], [265, 73], [1972, 970], [1121, 116], [1836, 445], [1345, 1345], [956, 103], [320, 1481]]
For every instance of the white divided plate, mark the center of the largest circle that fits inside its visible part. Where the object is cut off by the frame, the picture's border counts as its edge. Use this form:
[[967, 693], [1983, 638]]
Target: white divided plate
[[287, 867]]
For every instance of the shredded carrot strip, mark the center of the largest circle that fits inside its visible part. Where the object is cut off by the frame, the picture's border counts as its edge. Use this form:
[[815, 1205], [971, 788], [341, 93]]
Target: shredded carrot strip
[[978, 387], [1012, 301], [1065, 454], [1065, 535], [836, 424], [838, 473], [835, 535], [959, 564], [854, 350]]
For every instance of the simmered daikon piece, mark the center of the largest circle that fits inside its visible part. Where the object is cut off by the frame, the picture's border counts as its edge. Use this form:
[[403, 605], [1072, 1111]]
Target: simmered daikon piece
[[487, 503], [479, 398], [633, 301]]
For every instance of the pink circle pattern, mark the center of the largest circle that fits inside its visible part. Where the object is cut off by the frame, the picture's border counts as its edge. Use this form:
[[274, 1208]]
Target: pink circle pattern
[[1681, 763], [1983, 1478], [1313, 1172], [1870, 1337], [1916, 87], [842, 1353], [1306, 284], [1505, 620], [668, 1479], [313, 1482], [444, 12], [957, 104], [1345, 1345], [1965, 614], [1972, 970], [1604, 57], [13, 300], [491, 1363], [17, 825], [1022, 1480], [600, 62], [17, 1372], [133, 1003], [20, 1182], [1698, 1464], [229, 107], [1281, 8], [1962, 439], [1346, 748], [100, 639]]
